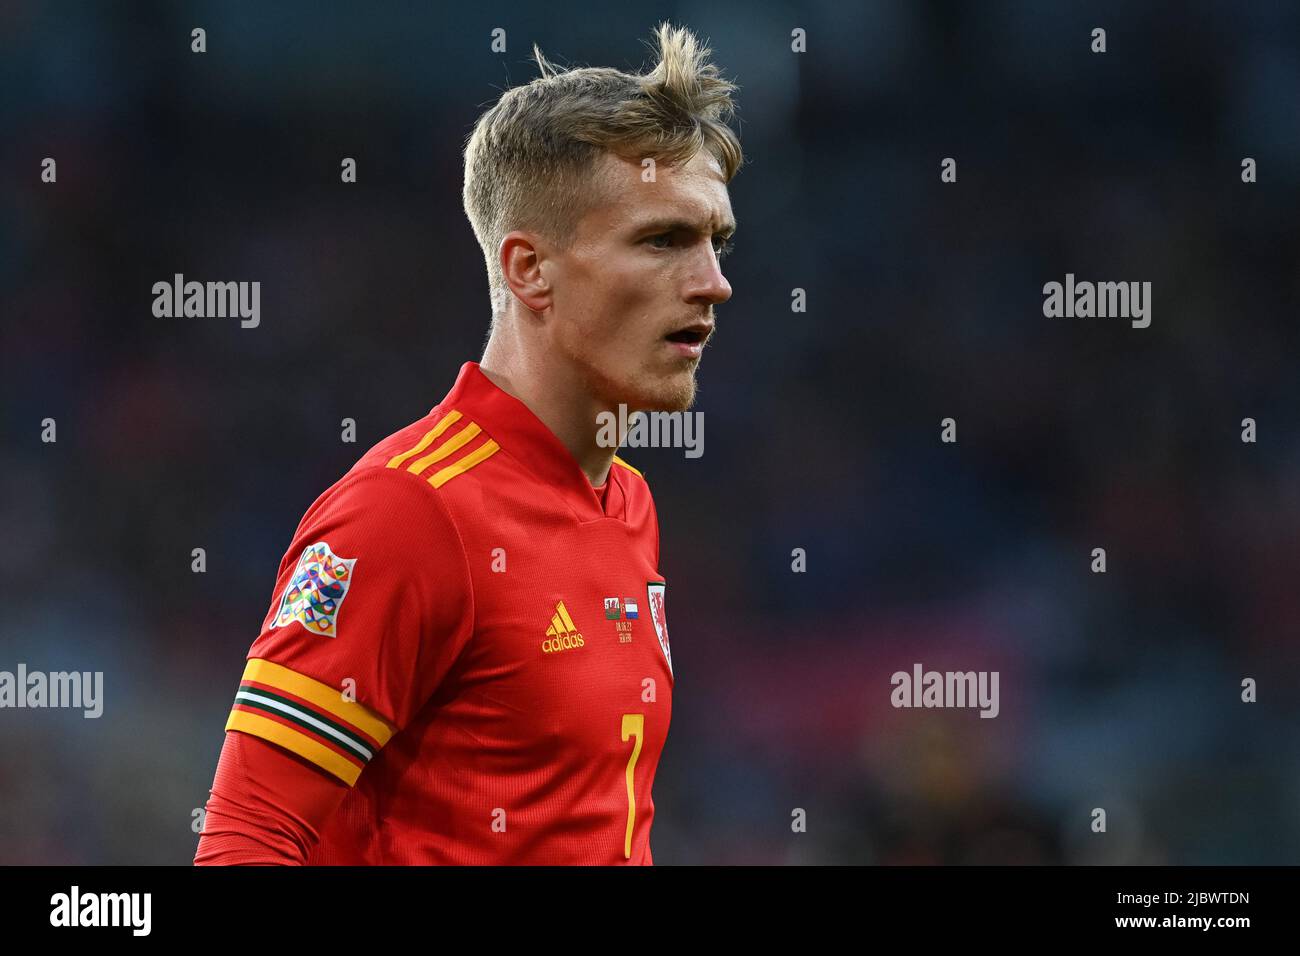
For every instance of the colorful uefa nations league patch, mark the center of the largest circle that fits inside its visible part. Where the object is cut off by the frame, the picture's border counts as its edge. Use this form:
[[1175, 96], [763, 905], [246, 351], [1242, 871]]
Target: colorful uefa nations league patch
[[656, 602], [316, 591]]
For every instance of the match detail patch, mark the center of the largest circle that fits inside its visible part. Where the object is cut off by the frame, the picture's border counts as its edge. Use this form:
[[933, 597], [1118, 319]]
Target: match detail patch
[[316, 591]]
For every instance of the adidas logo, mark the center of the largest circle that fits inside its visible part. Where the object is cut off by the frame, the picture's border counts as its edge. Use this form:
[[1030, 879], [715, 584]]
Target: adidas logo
[[563, 634]]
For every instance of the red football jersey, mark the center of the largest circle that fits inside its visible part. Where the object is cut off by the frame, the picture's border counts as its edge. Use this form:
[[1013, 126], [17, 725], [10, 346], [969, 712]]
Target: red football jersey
[[464, 634]]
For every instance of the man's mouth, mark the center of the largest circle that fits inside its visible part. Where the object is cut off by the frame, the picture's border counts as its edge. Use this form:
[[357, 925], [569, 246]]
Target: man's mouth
[[688, 341], [693, 335]]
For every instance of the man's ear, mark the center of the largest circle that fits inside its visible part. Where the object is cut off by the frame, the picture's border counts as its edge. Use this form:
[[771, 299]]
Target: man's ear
[[521, 265]]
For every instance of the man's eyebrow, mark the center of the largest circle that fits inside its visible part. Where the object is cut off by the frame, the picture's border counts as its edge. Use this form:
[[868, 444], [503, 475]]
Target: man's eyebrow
[[675, 224]]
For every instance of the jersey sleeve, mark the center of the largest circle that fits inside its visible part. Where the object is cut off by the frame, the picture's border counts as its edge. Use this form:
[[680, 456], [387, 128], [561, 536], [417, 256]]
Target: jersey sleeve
[[267, 807], [372, 606]]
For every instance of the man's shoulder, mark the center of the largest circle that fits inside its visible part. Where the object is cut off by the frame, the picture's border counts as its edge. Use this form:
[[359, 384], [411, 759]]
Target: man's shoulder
[[444, 460], [425, 460]]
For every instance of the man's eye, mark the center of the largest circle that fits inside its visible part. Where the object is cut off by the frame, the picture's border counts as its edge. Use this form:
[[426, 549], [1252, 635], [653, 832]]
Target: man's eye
[[721, 247]]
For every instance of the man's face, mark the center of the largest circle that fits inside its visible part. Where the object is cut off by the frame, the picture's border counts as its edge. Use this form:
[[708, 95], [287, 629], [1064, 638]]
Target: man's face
[[633, 295]]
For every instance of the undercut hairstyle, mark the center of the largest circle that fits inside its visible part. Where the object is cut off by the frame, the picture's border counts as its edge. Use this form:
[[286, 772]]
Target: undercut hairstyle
[[530, 160]]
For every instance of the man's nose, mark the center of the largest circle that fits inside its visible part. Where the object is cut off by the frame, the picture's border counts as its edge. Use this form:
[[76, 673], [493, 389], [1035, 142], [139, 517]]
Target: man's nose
[[708, 284]]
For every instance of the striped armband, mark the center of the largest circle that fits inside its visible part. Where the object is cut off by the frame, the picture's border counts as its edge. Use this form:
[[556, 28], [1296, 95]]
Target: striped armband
[[311, 719]]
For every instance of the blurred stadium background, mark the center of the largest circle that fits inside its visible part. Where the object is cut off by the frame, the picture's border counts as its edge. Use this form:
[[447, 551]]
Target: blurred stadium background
[[1118, 690]]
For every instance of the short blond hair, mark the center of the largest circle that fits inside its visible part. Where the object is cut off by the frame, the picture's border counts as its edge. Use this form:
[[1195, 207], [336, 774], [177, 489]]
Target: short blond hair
[[529, 160]]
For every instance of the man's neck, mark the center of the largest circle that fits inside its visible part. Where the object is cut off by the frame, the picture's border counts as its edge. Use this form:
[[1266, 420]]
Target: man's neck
[[570, 416]]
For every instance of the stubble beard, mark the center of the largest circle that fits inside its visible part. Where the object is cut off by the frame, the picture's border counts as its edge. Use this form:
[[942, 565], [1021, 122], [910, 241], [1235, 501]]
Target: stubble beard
[[674, 392], [643, 390]]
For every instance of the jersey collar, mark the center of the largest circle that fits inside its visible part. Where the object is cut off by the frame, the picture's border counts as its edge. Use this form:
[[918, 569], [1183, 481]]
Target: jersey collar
[[525, 437]]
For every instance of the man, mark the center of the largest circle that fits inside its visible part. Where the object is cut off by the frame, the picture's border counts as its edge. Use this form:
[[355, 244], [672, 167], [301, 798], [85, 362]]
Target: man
[[466, 658]]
